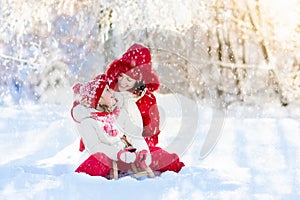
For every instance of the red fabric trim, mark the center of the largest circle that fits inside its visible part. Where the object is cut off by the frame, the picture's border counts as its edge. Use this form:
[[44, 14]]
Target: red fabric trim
[[75, 103]]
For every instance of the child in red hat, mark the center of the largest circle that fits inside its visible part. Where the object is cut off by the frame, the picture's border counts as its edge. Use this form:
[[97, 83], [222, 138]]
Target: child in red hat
[[98, 120]]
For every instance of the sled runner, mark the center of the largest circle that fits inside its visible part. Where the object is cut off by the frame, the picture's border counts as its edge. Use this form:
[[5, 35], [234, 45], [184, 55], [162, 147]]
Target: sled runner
[[139, 172]]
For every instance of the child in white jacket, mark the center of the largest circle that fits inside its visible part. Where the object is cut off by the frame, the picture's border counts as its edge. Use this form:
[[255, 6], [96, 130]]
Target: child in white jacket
[[108, 125]]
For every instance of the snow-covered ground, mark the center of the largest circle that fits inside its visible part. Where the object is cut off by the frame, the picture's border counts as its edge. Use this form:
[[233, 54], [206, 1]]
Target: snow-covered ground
[[257, 157]]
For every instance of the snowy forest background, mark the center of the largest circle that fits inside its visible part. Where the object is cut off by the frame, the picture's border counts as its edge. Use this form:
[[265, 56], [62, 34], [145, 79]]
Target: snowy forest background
[[241, 52], [230, 67]]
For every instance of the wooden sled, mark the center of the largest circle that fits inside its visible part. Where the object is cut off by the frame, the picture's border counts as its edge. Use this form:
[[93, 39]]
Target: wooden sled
[[137, 172]]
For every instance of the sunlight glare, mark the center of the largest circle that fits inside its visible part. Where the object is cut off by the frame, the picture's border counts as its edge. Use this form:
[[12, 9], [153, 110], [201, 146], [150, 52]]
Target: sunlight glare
[[284, 14]]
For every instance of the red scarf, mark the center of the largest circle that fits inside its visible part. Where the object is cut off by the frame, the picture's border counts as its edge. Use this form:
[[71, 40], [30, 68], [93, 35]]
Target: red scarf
[[108, 118]]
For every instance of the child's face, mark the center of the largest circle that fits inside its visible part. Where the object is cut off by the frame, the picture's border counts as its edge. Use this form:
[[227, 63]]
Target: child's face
[[108, 97], [125, 82]]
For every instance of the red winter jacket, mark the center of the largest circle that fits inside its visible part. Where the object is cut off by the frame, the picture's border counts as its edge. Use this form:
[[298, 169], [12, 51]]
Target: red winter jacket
[[150, 115]]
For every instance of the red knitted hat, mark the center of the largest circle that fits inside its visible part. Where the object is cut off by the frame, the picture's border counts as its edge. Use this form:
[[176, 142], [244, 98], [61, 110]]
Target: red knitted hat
[[92, 90], [136, 63]]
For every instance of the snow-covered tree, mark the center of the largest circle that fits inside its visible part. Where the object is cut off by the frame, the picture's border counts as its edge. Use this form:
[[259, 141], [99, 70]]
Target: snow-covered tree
[[238, 51]]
